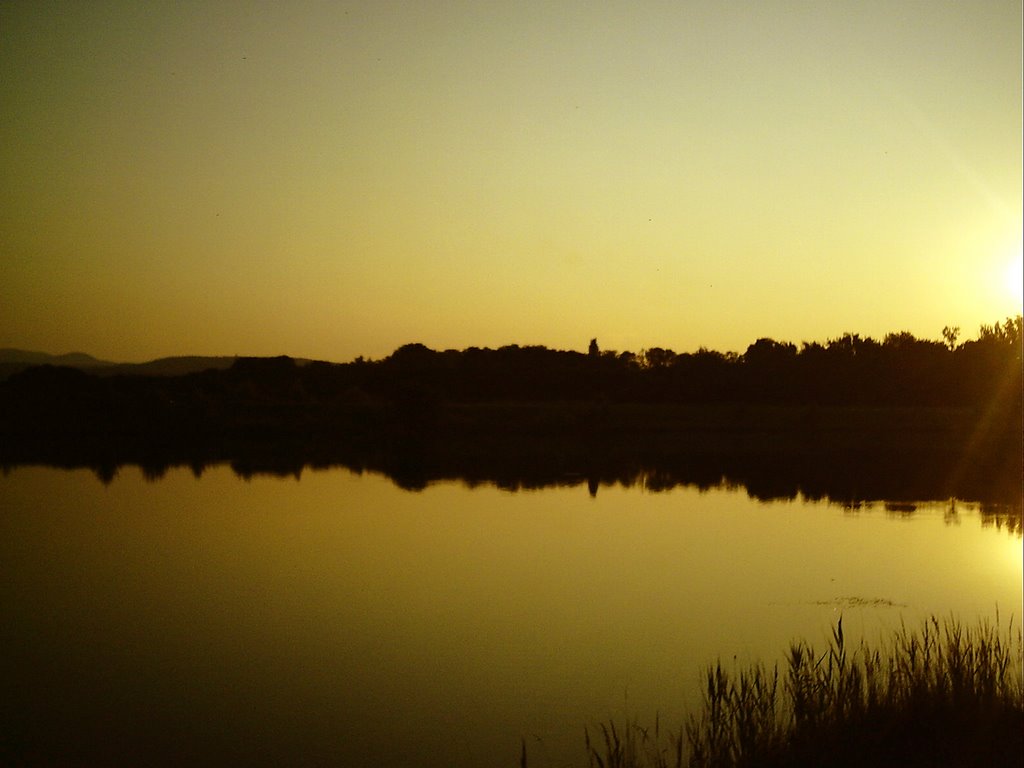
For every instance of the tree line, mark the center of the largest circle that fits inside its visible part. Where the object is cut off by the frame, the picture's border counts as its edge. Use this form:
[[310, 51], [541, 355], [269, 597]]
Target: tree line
[[849, 370], [899, 370]]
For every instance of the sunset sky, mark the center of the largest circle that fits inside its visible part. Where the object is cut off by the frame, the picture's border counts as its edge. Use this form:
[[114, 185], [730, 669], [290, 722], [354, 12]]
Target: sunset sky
[[333, 179]]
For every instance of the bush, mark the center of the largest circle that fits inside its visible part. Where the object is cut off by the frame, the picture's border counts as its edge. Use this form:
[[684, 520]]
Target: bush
[[944, 694]]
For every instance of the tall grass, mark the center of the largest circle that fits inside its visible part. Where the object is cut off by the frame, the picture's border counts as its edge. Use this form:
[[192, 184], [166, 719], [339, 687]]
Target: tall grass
[[943, 694], [635, 746]]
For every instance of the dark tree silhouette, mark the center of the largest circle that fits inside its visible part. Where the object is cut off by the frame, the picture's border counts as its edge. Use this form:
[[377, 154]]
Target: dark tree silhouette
[[279, 395]]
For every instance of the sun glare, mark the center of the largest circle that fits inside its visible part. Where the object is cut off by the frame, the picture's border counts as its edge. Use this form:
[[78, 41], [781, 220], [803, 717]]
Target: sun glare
[[1014, 277]]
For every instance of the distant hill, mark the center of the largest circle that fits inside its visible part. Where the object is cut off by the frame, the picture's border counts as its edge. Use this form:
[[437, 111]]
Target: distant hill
[[169, 366], [28, 357], [13, 361]]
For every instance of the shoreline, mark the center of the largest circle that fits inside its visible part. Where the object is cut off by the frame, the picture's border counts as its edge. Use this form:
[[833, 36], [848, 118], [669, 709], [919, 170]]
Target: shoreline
[[848, 453]]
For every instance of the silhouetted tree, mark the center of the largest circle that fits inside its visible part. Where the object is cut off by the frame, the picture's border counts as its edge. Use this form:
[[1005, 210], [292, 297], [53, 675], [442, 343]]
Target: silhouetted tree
[[656, 357], [950, 335], [769, 370]]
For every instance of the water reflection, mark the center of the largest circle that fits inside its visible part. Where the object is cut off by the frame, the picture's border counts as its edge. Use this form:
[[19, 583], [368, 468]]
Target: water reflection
[[341, 620], [851, 479]]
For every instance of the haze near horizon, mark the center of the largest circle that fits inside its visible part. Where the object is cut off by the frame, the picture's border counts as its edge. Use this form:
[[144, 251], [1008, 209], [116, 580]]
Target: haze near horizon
[[329, 180]]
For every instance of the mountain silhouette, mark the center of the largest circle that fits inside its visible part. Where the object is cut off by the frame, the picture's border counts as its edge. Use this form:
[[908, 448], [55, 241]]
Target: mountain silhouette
[[31, 357], [14, 361]]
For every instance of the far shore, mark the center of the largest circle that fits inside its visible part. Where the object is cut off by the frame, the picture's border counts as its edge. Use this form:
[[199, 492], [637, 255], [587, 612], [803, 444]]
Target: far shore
[[844, 452]]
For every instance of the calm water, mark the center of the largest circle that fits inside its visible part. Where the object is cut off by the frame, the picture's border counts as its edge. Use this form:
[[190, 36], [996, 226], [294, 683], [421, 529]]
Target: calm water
[[339, 620]]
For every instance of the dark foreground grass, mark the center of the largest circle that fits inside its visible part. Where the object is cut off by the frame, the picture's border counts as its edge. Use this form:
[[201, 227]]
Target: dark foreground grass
[[944, 694]]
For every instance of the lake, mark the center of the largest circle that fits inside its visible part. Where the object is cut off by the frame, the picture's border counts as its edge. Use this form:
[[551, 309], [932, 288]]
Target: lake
[[333, 618]]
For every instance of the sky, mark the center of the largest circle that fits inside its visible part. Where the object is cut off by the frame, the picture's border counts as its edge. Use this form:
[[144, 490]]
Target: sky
[[335, 179]]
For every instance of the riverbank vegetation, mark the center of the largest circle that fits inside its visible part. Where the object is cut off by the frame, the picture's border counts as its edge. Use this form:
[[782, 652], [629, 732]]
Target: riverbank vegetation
[[900, 370], [940, 694], [841, 412], [413, 382]]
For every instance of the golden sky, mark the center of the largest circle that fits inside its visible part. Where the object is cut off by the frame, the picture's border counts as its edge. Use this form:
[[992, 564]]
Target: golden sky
[[333, 179]]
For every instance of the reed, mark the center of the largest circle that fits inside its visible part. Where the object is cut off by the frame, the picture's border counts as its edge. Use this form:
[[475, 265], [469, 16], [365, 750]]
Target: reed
[[635, 746], [942, 693]]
